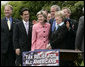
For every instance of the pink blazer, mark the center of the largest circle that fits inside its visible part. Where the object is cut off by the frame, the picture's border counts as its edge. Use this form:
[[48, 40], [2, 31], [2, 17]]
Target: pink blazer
[[40, 36]]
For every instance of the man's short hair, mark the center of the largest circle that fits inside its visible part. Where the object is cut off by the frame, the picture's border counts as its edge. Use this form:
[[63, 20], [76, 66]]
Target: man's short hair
[[69, 11], [56, 6], [9, 6], [22, 10]]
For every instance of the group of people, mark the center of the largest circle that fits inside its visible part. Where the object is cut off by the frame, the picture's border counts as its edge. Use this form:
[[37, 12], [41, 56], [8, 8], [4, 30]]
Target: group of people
[[54, 30]]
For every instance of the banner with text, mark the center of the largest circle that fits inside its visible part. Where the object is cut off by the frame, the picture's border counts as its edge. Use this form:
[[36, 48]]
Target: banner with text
[[41, 58]]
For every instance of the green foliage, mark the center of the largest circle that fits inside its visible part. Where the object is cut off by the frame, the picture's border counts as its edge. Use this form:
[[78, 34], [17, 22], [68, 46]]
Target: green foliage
[[82, 64], [2, 11], [35, 6]]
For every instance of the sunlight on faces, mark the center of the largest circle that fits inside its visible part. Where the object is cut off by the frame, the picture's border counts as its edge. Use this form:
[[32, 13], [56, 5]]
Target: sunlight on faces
[[41, 18], [59, 16], [67, 14], [53, 10], [58, 19], [7, 11]]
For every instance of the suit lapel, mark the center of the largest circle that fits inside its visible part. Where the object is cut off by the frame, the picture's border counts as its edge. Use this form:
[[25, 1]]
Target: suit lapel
[[12, 23], [23, 28], [29, 27], [5, 24]]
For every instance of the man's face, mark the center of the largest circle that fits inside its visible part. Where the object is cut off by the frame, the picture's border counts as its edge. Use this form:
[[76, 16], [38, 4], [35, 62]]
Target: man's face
[[66, 13], [25, 16], [7, 11], [53, 10]]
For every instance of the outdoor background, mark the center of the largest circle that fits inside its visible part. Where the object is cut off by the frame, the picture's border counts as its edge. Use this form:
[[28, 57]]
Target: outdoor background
[[35, 6]]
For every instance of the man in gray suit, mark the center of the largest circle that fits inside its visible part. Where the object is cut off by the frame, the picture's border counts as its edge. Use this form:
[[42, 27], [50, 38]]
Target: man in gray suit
[[79, 43]]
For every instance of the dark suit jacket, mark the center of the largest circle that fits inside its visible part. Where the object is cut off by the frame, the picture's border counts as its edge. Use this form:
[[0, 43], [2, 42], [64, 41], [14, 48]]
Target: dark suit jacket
[[58, 38], [79, 43], [51, 22], [71, 34], [20, 38], [6, 35]]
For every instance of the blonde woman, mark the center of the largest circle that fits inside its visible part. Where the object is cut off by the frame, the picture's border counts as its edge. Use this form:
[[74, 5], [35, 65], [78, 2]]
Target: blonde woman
[[59, 31], [40, 33]]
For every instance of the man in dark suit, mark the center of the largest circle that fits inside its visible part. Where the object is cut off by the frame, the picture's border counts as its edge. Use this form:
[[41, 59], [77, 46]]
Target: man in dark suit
[[22, 36], [53, 9], [7, 49], [70, 39], [79, 42]]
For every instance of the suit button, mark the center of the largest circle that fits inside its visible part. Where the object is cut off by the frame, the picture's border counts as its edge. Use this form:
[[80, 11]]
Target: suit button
[[44, 36], [43, 26], [44, 31], [44, 41]]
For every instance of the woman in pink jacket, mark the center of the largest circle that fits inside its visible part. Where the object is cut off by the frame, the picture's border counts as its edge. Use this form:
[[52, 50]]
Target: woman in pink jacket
[[40, 33]]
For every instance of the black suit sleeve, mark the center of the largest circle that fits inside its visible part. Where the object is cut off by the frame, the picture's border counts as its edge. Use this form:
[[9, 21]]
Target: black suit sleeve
[[16, 36]]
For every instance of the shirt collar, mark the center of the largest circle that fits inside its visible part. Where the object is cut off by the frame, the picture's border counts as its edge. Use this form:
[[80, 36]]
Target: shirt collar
[[68, 18], [61, 23], [25, 22], [9, 19], [45, 25]]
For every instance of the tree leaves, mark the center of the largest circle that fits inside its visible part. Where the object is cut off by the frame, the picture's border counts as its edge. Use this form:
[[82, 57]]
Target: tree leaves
[[35, 6]]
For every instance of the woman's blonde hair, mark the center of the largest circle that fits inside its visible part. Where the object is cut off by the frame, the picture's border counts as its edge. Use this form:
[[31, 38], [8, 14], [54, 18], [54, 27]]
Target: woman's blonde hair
[[41, 12], [60, 14]]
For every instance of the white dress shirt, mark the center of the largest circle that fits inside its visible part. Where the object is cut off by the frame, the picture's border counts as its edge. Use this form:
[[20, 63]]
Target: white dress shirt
[[57, 25], [26, 24]]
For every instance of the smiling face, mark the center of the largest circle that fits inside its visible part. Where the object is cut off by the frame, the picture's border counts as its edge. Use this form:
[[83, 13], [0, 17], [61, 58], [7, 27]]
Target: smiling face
[[58, 19], [67, 14], [41, 18], [53, 10], [7, 11], [25, 16]]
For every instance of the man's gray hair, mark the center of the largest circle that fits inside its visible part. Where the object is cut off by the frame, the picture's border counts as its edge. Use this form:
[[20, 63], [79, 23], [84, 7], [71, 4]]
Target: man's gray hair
[[9, 6], [56, 6]]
